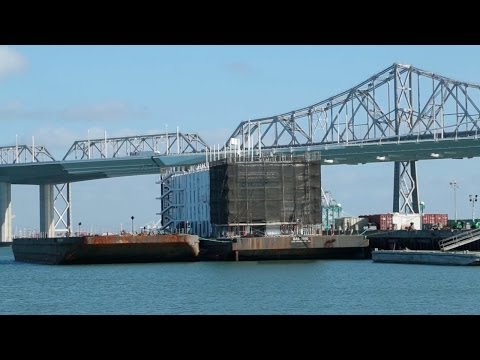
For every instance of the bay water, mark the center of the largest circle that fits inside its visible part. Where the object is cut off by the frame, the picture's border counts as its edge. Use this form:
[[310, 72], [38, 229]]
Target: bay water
[[316, 287]]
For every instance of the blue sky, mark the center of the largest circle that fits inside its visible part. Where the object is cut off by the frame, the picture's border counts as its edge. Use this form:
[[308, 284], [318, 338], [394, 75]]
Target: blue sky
[[59, 93]]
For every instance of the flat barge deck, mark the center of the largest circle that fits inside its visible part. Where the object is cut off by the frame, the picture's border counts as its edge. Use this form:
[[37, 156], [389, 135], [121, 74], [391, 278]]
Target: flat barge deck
[[104, 249], [301, 247], [184, 247], [427, 257]]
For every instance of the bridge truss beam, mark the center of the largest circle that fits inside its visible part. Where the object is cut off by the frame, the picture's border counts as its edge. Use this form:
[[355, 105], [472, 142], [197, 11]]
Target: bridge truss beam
[[159, 144], [18, 154], [399, 103]]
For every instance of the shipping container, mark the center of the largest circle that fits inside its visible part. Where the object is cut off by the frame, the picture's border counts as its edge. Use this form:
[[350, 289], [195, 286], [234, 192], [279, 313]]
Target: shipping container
[[428, 218], [396, 221], [440, 220], [382, 221]]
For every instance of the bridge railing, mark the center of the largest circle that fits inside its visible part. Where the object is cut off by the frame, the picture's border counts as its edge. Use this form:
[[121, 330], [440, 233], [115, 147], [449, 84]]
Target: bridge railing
[[18, 154]]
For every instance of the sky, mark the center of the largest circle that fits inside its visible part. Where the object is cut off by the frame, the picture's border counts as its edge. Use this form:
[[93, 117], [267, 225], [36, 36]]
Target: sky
[[58, 94]]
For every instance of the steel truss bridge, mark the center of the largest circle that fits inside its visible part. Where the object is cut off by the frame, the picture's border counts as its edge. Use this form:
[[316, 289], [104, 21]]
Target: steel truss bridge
[[401, 114]]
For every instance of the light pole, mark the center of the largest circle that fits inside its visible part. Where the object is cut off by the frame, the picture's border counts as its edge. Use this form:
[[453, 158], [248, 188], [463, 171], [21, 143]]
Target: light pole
[[79, 224], [455, 186], [473, 200], [88, 140], [166, 137], [132, 222]]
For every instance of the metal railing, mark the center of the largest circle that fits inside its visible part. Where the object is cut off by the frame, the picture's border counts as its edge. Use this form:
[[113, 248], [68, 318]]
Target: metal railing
[[459, 240]]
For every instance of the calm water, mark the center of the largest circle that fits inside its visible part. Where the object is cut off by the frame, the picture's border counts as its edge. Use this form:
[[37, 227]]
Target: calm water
[[275, 287]]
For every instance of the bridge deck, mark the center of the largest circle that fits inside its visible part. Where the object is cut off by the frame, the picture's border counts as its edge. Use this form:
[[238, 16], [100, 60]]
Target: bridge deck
[[56, 172]]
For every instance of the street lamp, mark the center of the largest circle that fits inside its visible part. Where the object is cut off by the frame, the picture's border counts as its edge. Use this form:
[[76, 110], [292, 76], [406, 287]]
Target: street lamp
[[79, 224], [132, 222], [455, 186], [166, 137], [422, 207], [473, 199]]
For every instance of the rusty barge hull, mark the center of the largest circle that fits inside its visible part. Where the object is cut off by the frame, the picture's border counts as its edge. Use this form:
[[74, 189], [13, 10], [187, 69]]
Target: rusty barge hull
[[301, 247], [107, 249]]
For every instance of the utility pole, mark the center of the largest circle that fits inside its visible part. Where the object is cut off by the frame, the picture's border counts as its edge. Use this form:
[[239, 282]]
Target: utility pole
[[455, 186], [473, 199]]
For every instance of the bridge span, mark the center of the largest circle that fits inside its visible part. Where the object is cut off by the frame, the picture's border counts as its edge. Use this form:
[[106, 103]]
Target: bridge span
[[402, 114]]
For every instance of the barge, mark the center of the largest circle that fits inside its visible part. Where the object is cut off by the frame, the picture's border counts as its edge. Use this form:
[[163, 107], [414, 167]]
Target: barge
[[301, 247], [105, 249], [427, 257]]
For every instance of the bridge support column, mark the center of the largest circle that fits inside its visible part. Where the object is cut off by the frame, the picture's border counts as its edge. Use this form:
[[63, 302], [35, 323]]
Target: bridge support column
[[5, 212], [47, 225], [63, 209], [405, 188]]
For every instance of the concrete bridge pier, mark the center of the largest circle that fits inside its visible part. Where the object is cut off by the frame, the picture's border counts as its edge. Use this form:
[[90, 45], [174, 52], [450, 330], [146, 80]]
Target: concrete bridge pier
[[47, 210], [5, 212]]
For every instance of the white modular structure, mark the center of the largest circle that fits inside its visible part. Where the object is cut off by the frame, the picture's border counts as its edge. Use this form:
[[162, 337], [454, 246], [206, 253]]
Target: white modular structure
[[404, 221], [186, 201], [351, 224]]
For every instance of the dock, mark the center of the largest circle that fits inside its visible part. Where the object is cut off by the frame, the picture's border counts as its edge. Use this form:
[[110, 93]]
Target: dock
[[444, 256]]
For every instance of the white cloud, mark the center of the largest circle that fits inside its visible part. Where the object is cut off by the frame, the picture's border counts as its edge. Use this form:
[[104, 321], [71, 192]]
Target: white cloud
[[239, 67], [106, 111], [11, 61], [14, 110]]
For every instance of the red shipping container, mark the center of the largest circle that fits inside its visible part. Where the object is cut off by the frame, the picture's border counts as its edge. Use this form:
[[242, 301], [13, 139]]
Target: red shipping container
[[428, 218], [435, 219], [383, 221], [441, 219]]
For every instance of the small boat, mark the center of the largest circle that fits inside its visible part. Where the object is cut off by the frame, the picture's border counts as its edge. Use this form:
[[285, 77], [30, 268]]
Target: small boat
[[428, 257]]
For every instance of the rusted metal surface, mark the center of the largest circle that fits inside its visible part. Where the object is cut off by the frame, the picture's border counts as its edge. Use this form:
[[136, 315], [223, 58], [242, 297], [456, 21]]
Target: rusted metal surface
[[183, 247], [140, 239], [301, 247], [300, 241], [107, 249], [213, 249]]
